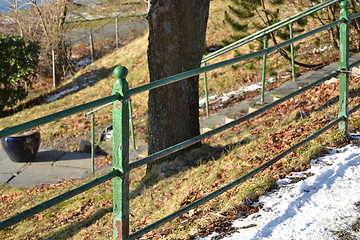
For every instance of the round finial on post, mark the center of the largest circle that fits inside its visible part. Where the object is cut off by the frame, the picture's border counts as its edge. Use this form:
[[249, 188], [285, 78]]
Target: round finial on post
[[121, 85], [344, 4], [120, 72], [344, 12]]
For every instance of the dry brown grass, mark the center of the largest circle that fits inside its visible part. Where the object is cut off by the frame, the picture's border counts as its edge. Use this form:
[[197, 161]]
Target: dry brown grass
[[88, 216]]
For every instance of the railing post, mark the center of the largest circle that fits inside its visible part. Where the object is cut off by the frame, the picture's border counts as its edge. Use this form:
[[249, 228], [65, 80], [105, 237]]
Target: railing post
[[206, 93], [344, 66], [121, 155], [93, 144], [292, 53], [117, 31], [91, 41], [53, 67], [263, 74], [132, 131]]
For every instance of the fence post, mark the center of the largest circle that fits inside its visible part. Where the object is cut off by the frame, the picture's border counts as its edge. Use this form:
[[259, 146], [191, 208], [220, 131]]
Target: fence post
[[53, 67], [206, 91], [117, 31], [91, 45], [344, 66], [121, 155], [263, 74], [132, 130], [93, 144], [292, 53]]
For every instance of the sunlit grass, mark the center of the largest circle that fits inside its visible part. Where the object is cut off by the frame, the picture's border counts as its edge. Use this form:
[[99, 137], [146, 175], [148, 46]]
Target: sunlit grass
[[240, 149], [89, 214]]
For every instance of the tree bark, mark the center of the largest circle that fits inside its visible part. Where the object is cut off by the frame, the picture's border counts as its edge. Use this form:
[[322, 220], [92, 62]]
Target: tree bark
[[176, 44]]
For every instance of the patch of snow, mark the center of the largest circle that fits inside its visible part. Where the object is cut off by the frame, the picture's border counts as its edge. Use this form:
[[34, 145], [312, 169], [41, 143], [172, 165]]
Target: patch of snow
[[82, 63], [9, 20], [309, 209], [220, 99], [60, 94], [271, 80], [251, 87], [70, 90], [285, 76], [314, 50], [202, 102], [224, 98], [210, 237], [321, 49]]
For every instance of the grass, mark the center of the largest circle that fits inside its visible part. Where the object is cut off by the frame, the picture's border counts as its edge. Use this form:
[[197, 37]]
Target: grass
[[109, 7], [133, 56], [102, 70], [222, 159], [99, 22], [228, 157]]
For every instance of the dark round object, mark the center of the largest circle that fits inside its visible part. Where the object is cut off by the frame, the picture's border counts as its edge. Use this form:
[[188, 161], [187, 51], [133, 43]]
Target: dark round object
[[22, 148]]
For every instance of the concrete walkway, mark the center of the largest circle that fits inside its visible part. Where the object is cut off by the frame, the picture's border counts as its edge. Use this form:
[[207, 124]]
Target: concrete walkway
[[48, 167], [51, 166], [228, 114]]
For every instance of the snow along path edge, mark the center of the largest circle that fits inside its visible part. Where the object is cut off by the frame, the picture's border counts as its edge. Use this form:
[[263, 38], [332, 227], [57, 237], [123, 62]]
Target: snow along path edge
[[309, 209]]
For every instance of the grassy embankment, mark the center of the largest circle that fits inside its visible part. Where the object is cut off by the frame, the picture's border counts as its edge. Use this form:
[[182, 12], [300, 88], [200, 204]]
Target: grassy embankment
[[222, 159], [133, 56], [232, 154]]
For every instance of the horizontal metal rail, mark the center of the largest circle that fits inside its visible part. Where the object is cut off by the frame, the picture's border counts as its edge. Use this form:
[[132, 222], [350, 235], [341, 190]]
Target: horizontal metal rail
[[354, 16], [354, 64], [116, 173], [232, 184], [56, 200], [191, 73], [97, 109], [210, 133], [58, 115], [267, 30], [156, 84], [354, 109], [222, 128]]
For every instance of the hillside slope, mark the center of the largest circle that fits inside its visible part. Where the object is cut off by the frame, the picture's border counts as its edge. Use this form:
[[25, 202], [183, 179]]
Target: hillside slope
[[222, 158]]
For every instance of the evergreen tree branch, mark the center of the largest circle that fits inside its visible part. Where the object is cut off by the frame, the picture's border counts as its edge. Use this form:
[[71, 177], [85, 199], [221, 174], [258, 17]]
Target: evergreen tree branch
[[286, 56]]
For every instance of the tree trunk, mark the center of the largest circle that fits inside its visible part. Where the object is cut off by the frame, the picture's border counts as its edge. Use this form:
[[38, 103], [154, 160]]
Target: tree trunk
[[176, 44], [355, 22]]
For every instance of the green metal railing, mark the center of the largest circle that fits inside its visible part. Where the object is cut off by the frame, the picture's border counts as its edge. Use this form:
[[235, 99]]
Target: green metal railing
[[120, 99], [263, 34], [92, 117]]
